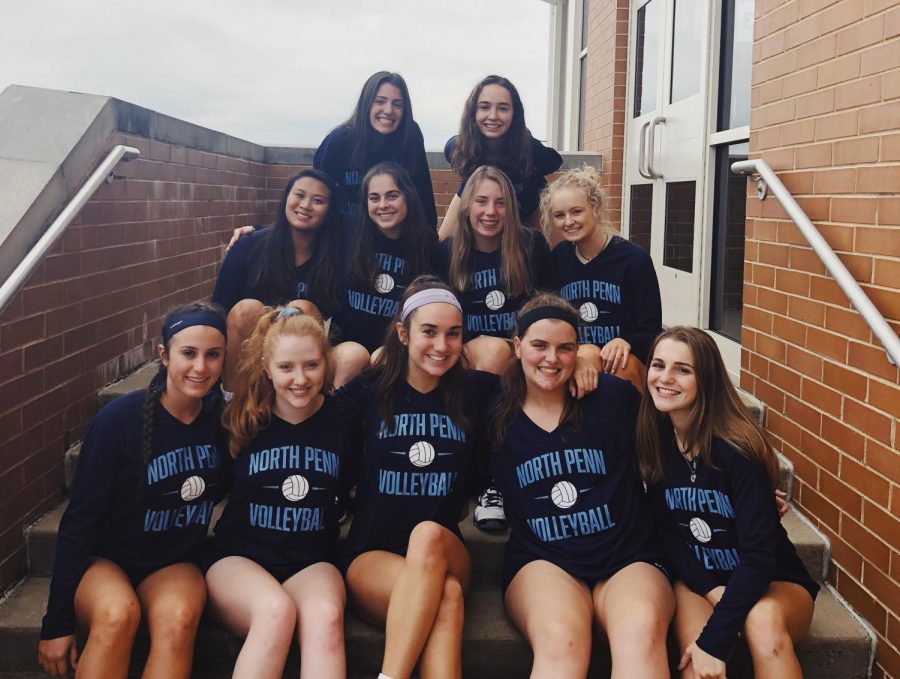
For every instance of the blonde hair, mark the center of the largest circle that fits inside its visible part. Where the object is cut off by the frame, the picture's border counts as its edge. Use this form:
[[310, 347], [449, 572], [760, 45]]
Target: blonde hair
[[250, 409], [585, 179], [514, 269]]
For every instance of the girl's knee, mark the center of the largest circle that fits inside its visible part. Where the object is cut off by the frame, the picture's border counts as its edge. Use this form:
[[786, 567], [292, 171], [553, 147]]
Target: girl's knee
[[558, 643], [116, 620], [765, 630], [243, 315], [426, 546], [323, 623]]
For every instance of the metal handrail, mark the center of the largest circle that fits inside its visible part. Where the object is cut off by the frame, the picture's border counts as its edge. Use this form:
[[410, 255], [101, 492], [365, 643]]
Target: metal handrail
[[21, 273], [833, 264]]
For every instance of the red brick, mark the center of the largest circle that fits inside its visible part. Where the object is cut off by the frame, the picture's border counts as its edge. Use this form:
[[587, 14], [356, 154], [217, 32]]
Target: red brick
[[868, 420], [869, 484], [880, 58], [784, 379], [808, 418], [853, 210], [804, 361], [822, 397], [860, 34], [835, 181], [843, 124], [816, 52], [816, 155], [869, 545], [885, 397], [819, 506], [879, 179], [806, 310], [887, 273], [827, 344], [871, 359], [889, 211], [820, 452], [844, 553], [890, 145], [841, 494]]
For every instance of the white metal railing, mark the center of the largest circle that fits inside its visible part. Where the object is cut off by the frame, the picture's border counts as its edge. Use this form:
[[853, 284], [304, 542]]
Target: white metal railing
[[835, 266], [20, 274]]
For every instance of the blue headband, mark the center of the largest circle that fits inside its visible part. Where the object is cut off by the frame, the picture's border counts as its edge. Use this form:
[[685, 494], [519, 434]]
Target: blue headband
[[289, 311], [178, 322]]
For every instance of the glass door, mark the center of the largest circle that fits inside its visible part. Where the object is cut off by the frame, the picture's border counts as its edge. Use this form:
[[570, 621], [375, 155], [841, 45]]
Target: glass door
[[665, 150]]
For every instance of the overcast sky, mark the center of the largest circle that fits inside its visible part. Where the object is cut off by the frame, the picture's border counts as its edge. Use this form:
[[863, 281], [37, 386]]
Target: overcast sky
[[278, 71]]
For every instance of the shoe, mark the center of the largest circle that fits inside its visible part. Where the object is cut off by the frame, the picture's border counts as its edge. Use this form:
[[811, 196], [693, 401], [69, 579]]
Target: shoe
[[489, 510]]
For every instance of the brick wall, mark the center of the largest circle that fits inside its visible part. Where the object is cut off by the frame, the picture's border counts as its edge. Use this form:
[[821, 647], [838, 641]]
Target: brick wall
[[604, 108], [825, 112]]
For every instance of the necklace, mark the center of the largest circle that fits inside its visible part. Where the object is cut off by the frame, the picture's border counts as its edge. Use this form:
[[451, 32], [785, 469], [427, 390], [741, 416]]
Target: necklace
[[690, 460], [585, 260]]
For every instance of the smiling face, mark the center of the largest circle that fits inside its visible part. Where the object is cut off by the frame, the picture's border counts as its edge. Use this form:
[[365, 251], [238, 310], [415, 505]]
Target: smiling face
[[386, 110], [307, 204], [434, 341], [487, 215], [493, 111], [547, 353], [386, 204], [193, 361], [672, 381], [573, 215], [297, 370]]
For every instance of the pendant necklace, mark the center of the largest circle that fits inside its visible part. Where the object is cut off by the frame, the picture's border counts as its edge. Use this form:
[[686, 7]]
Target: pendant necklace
[[690, 461]]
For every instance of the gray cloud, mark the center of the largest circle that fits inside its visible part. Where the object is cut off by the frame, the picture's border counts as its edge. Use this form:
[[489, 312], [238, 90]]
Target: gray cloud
[[278, 71]]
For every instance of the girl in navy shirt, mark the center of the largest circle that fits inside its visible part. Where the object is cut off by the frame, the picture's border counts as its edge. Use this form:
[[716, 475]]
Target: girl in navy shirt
[[494, 264], [492, 131], [295, 261], [272, 575], [711, 472], [581, 543], [407, 565], [391, 246], [148, 477], [611, 281], [382, 128]]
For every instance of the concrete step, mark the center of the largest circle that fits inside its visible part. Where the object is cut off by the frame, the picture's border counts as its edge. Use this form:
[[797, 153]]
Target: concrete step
[[486, 549], [837, 646]]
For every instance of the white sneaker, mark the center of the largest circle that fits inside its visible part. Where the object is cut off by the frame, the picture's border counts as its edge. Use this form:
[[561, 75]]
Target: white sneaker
[[489, 510]]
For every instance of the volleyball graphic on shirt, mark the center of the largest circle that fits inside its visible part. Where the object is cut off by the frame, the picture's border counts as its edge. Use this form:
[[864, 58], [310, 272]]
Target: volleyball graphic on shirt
[[192, 488], [384, 283], [700, 530], [494, 300], [564, 494], [588, 312], [421, 453], [295, 487]]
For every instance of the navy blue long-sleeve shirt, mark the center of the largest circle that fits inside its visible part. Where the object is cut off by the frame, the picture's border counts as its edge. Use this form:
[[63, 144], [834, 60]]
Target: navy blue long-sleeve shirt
[[723, 529], [487, 309], [234, 281], [141, 525], [333, 156], [574, 498], [616, 294], [368, 307], [415, 468], [281, 511], [527, 187]]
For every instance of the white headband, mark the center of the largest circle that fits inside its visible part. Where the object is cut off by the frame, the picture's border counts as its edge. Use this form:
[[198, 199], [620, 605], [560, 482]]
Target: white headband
[[428, 296]]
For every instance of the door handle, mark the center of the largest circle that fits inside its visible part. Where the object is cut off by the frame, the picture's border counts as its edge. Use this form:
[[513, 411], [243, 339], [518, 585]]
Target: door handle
[[651, 147], [642, 151]]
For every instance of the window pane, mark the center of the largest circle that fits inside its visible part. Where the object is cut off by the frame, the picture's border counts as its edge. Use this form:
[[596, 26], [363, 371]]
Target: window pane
[[647, 58], [581, 96], [734, 63], [641, 210], [584, 23], [726, 291], [686, 41], [678, 246]]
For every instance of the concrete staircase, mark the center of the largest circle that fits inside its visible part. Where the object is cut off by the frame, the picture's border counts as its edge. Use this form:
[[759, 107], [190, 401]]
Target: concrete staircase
[[837, 647]]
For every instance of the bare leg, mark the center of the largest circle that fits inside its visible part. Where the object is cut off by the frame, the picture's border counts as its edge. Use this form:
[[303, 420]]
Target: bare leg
[[691, 613], [260, 610], [634, 608], [319, 594], [347, 359], [777, 621], [407, 593], [553, 611], [173, 599], [442, 655], [488, 353], [107, 605], [241, 320]]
